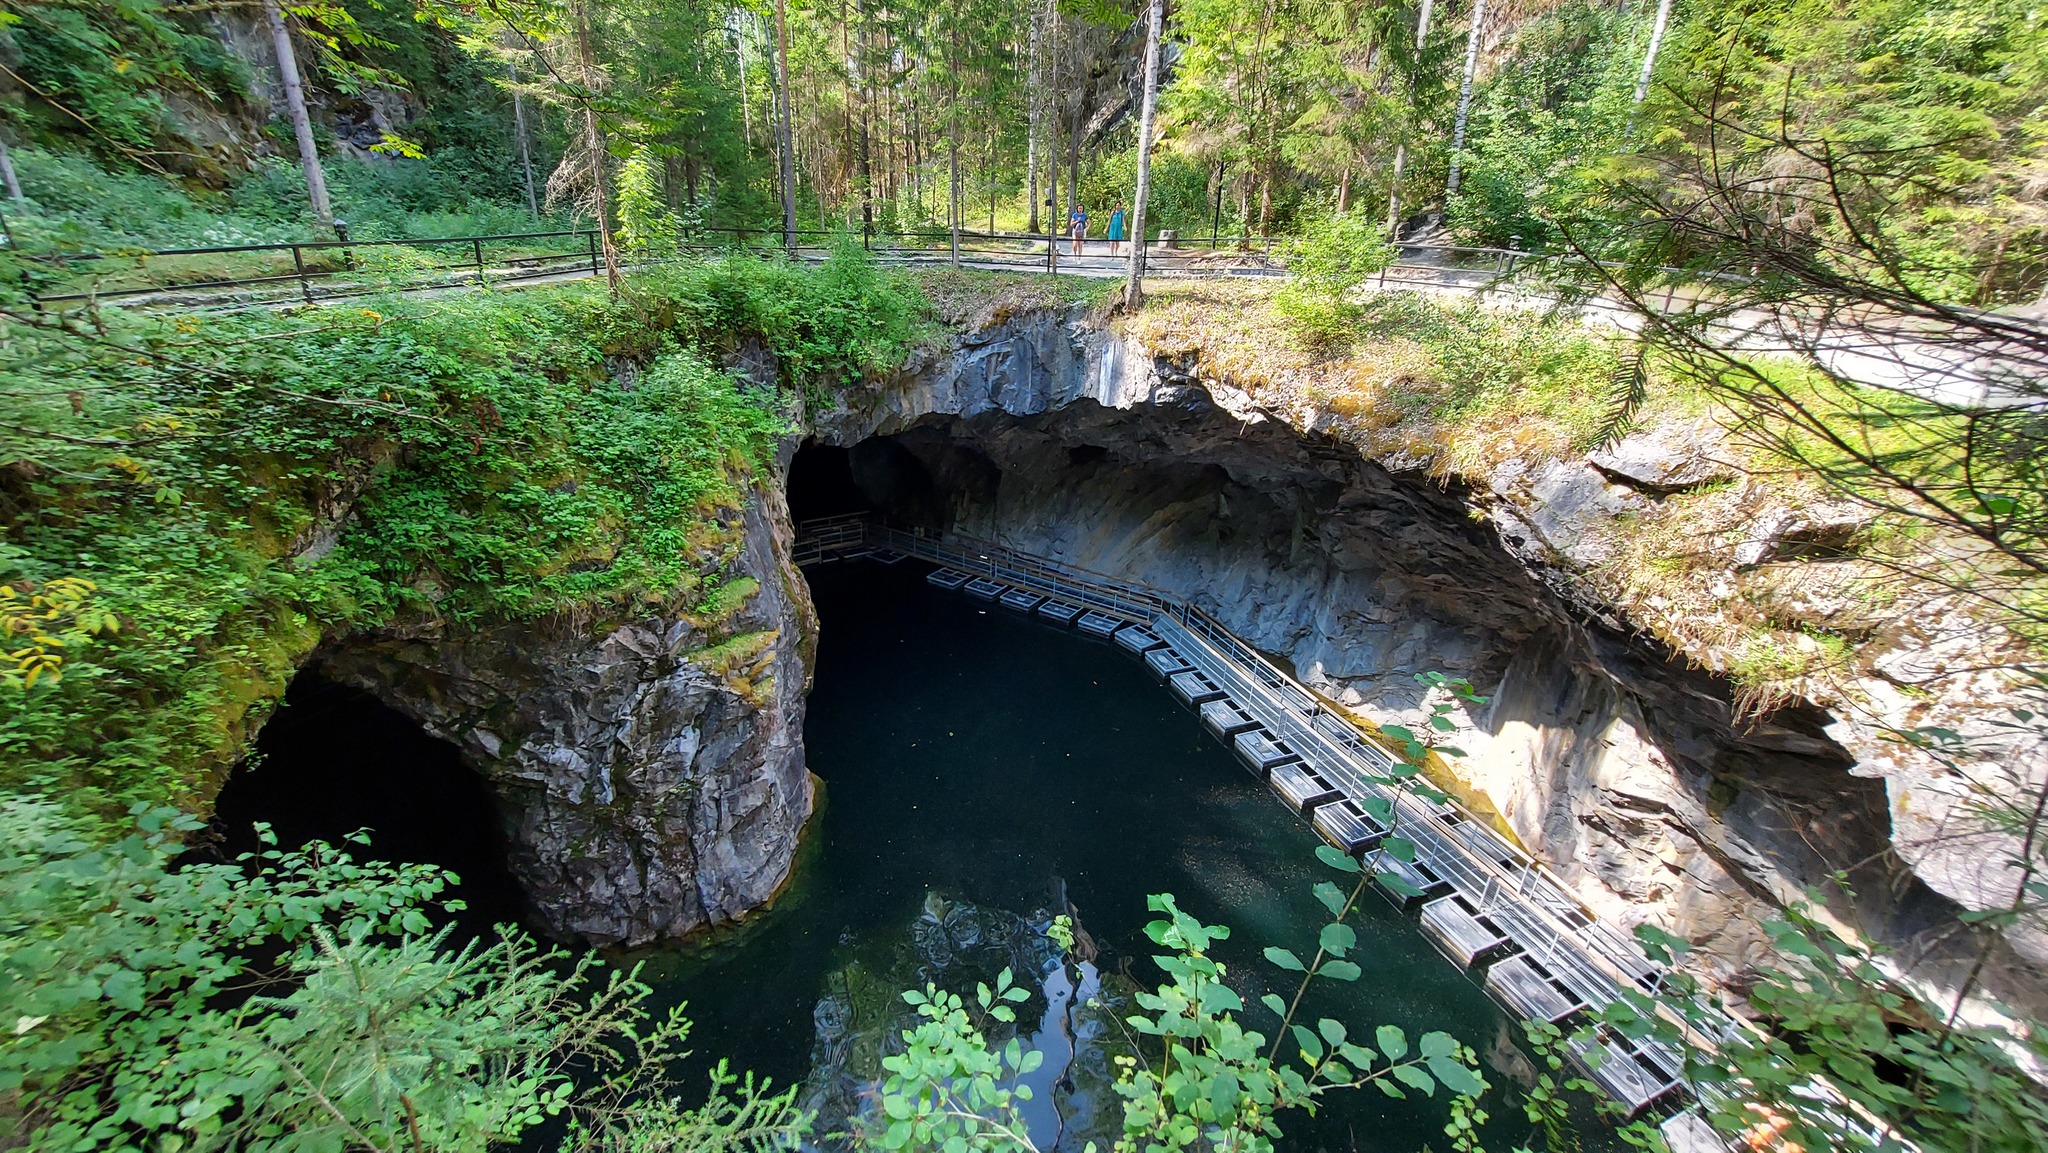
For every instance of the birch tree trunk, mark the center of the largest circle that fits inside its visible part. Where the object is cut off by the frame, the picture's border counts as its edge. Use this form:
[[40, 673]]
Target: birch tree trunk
[[953, 207], [1134, 281], [295, 105], [1650, 56], [739, 47], [785, 148], [1465, 95], [1054, 221], [953, 174], [8, 177], [1401, 149], [1032, 94], [1074, 134]]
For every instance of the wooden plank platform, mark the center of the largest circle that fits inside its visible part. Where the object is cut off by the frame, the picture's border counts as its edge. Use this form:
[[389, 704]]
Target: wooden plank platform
[[1097, 624], [1059, 612], [982, 589], [1021, 600], [1346, 824], [1300, 787], [1193, 689], [1260, 752], [1165, 662], [1460, 931], [1614, 1068], [950, 579], [1523, 985], [1225, 719], [1415, 873], [1138, 639]]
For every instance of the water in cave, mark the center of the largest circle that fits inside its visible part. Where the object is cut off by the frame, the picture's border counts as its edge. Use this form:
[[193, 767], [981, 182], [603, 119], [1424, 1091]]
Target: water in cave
[[978, 761], [334, 760]]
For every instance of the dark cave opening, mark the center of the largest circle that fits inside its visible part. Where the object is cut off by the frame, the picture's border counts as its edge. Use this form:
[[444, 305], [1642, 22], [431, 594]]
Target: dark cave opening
[[821, 483], [334, 760], [879, 474]]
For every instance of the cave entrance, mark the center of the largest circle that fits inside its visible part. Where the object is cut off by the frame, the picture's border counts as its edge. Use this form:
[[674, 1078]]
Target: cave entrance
[[893, 476], [334, 760], [821, 483]]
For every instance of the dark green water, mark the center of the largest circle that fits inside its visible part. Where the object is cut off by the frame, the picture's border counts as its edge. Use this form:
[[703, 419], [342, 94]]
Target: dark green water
[[978, 754]]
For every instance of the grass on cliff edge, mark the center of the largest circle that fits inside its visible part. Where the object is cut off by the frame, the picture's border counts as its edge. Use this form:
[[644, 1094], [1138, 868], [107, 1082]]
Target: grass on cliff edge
[[498, 456], [1457, 389]]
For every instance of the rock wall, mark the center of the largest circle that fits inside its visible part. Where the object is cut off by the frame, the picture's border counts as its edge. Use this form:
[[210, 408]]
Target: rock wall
[[650, 771], [1626, 769]]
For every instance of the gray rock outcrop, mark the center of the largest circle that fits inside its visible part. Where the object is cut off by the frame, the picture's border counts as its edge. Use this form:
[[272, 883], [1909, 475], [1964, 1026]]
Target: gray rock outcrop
[[1664, 460], [1628, 769], [649, 769]]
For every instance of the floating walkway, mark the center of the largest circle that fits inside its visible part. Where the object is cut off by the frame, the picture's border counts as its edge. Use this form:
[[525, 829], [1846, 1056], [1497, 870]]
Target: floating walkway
[[1484, 902]]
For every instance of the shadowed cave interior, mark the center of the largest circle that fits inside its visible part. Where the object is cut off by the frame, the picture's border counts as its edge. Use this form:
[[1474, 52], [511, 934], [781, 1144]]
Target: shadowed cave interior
[[334, 760]]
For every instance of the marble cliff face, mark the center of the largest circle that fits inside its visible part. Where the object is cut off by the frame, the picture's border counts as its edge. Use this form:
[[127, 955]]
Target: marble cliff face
[[649, 770], [1623, 766]]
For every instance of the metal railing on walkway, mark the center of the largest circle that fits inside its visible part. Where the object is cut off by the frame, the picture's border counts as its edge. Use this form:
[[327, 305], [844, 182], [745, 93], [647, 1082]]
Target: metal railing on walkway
[[1534, 906], [315, 270], [1505, 883]]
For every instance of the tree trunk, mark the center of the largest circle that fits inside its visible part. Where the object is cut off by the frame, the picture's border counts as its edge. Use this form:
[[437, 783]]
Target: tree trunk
[[739, 45], [953, 206], [593, 139], [1134, 280], [784, 145], [867, 145], [1266, 171], [1054, 220], [1074, 145], [916, 173], [1344, 190], [1465, 95], [8, 177], [1650, 56], [1401, 149], [519, 130], [1032, 94], [295, 104], [1215, 200]]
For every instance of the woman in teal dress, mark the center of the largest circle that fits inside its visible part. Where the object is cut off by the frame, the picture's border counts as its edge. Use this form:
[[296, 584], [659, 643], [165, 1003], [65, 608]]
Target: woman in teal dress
[[1116, 229]]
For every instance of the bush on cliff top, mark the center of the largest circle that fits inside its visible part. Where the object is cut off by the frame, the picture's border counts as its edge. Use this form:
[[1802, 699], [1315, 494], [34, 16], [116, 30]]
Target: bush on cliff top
[[498, 456]]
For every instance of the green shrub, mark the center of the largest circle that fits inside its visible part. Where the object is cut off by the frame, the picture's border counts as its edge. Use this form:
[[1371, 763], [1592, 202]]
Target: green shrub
[[1328, 263], [140, 1016], [528, 452]]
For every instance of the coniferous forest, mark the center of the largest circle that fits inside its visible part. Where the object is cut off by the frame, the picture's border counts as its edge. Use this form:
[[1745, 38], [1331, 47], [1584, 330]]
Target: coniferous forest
[[467, 355]]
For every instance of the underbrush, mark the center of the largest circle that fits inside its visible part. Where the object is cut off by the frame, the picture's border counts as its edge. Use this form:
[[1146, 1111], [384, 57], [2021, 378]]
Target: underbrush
[[1452, 386], [76, 205], [966, 298], [192, 503]]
